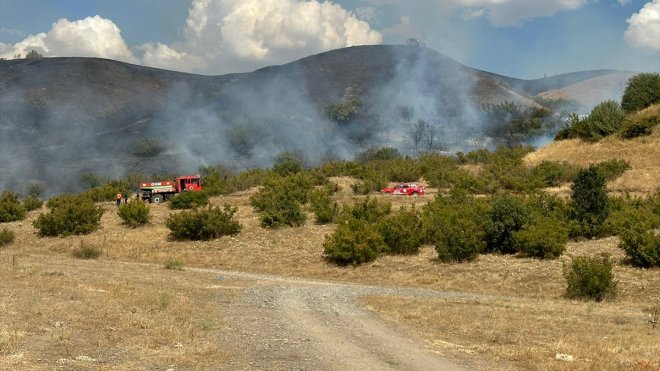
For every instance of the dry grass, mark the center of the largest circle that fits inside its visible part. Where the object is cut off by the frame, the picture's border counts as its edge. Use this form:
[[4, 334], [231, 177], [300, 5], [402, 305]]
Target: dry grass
[[642, 153], [105, 314]]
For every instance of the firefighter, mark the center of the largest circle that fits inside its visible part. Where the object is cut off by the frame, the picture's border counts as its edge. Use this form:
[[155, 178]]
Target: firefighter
[[125, 197], [118, 198]]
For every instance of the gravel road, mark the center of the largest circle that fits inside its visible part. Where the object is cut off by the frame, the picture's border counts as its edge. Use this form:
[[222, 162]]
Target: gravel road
[[296, 324]]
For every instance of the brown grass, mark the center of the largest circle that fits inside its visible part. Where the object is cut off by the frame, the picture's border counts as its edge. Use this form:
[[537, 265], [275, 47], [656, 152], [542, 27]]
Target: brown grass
[[642, 153], [107, 314]]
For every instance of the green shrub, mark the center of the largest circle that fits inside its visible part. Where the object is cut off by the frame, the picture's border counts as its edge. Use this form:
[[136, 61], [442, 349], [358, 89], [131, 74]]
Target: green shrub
[[508, 215], [642, 90], [288, 163], [203, 224], [325, 210], [605, 119], [189, 200], [402, 170], [612, 169], [638, 128], [462, 239], [135, 213], [544, 239], [31, 203], [6, 237], [641, 246], [70, 215], [283, 212], [353, 242], [369, 184], [377, 154], [370, 210], [552, 173], [86, 252], [402, 232], [10, 207], [589, 202], [626, 213], [281, 198], [175, 265], [590, 278]]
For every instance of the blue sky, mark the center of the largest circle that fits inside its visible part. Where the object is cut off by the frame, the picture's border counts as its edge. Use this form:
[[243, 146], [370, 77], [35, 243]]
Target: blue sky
[[519, 38]]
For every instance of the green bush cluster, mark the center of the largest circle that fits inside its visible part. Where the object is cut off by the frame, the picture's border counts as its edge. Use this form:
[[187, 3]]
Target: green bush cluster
[[147, 148], [32, 202], [545, 238], [627, 212], [69, 215], [639, 127], [203, 224], [590, 278], [642, 246], [354, 241], [189, 200], [135, 213], [612, 169], [280, 200], [642, 90], [402, 231], [605, 119], [589, 202], [371, 210], [507, 216], [10, 207], [553, 174], [324, 208], [6, 237]]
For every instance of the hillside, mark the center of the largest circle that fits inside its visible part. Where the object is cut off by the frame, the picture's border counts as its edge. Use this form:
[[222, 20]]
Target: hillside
[[642, 153], [63, 117]]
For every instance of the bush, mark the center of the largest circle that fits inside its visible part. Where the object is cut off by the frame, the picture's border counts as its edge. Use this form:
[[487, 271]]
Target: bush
[[189, 200], [31, 203], [639, 127], [590, 206], [377, 154], [403, 170], [203, 224], [626, 213], [283, 212], [10, 208], [641, 246], [86, 252], [612, 169], [369, 210], [544, 239], [325, 210], [507, 216], [642, 90], [402, 232], [135, 213], [354, 241], [590, 278], [288, 163], [280, 200], [6, 237], [552, 174], [70, 215], [462, 239]]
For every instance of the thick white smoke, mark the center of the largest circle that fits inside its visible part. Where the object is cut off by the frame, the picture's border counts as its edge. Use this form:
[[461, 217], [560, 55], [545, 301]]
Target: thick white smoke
[[644, 27]]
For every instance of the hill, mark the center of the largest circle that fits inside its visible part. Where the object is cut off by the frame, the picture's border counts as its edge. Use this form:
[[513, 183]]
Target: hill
[[63, 117]]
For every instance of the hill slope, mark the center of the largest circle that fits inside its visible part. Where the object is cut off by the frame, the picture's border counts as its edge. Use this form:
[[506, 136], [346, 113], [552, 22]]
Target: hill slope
[[62, 117]]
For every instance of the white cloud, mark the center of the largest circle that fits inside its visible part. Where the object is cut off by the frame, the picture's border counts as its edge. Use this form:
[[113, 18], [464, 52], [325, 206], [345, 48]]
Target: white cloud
[[624, 2], [644, 27], [89, 37], [240, 35], [504, 13]]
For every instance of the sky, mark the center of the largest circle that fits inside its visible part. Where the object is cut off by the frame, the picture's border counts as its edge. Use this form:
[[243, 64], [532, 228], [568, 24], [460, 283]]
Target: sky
[[518, 38]]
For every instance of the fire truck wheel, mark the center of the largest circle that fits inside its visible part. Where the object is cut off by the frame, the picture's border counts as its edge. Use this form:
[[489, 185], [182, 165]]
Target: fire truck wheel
[[157, 199]]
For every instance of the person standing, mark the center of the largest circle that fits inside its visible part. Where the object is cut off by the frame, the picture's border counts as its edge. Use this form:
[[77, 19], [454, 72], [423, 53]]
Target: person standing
[[125, 197], [118, 199]]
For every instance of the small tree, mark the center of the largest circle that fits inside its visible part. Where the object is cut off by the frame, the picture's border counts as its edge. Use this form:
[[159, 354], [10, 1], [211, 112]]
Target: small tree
[[354, 242], [642, 90], [590, 278], [10, 207], [590, 206], [70, 215], [402, 232], [6, 237], [642, 247], [33, 54], [508, 215], [135, 213], [203, 224]]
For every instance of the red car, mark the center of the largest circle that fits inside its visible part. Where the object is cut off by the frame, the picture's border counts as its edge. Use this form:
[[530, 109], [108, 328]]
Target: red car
[[409, 189]]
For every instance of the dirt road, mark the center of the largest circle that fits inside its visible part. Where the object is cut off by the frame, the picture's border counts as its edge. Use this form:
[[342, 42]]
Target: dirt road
[[292, 324]]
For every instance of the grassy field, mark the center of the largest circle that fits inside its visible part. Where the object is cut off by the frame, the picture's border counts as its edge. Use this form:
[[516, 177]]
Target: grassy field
[[125, 310]]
